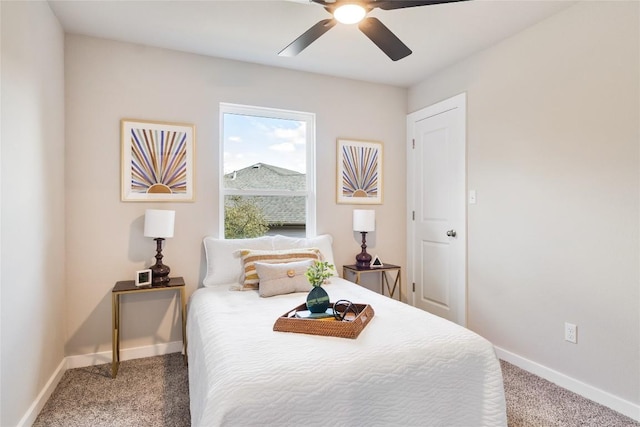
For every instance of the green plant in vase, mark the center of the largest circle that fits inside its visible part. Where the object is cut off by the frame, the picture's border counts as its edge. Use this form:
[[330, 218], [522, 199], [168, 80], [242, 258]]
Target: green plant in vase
[[318, 299]]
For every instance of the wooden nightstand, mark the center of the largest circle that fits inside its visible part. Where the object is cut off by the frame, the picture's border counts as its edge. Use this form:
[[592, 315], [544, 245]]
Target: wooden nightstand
[[384, 280], [129, 287]]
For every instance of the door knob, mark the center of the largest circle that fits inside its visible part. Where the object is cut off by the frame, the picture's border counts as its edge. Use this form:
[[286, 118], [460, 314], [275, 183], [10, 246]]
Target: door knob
[[451, 233]]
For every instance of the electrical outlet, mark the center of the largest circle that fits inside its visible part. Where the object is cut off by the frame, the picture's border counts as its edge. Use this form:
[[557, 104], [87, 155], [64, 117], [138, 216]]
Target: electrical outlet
[[570, 332]]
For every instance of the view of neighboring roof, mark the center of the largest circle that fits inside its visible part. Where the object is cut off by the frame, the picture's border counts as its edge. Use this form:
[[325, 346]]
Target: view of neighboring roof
[[261, 176], [277, 209]]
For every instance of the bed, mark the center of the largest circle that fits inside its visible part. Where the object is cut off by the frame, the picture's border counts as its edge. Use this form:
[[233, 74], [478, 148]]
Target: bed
[[407, 367]]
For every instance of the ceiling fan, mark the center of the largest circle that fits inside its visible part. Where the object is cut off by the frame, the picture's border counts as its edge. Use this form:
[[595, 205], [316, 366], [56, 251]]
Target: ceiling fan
[[354, 12]]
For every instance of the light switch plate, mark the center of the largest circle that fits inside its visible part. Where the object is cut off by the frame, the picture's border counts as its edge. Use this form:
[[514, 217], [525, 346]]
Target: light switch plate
[[472, 197]]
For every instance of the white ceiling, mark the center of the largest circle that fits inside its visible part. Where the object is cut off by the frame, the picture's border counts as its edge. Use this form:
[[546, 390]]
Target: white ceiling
[[255, 31]]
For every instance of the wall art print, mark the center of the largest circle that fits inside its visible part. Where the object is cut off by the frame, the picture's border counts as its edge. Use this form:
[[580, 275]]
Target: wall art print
[[157, 161], [359, 179]]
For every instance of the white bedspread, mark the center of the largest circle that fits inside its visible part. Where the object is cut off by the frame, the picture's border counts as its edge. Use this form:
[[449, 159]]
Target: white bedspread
[[407, 367]]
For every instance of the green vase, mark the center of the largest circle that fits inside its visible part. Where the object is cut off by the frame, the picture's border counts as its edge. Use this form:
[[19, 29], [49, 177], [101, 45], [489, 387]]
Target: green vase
[[317, 300]]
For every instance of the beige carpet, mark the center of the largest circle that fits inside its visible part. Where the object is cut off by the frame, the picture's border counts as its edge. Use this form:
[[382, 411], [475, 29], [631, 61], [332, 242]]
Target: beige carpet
[[536, 402], [154, 392]]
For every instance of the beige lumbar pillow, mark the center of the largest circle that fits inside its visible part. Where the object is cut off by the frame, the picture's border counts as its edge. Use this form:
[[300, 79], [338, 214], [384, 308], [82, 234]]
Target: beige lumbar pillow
[[278, 279]]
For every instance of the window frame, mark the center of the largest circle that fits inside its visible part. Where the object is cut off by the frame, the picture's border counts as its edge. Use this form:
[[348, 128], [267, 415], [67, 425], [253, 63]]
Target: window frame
[[275, 113]]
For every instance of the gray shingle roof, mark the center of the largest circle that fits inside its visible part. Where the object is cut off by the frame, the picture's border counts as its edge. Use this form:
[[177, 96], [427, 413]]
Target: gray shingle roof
[[263, 176], [277, 209]]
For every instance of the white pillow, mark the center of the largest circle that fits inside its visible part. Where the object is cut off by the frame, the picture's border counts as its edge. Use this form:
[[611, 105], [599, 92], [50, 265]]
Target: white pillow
[[322, 242], [224, 263], [286, 278]]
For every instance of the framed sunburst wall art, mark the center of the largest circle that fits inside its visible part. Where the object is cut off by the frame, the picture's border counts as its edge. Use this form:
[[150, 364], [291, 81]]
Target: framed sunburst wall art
[[157, 161], [359, 178]]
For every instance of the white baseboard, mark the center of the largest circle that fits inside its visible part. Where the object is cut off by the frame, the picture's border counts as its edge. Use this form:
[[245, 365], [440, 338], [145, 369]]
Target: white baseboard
[[80, 361], [602, 397], [32, 413]]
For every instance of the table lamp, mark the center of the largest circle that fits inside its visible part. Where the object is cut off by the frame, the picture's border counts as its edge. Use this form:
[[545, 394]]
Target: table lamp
[[159, 225], [363, 222]]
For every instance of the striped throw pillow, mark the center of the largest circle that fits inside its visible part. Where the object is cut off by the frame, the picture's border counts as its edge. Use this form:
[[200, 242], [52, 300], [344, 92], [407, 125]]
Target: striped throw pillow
[[250, 257]]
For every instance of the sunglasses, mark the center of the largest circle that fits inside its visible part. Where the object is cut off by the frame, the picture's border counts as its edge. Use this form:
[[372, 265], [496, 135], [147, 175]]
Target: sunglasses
[[345, 310]]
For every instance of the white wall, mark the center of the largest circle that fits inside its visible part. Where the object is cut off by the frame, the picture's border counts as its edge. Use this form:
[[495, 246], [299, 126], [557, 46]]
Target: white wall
[[553, 134], [33, 228], [107, 81]]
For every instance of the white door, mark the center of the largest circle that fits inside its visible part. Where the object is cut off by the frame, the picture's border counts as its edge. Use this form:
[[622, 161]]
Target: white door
[[436, 183]]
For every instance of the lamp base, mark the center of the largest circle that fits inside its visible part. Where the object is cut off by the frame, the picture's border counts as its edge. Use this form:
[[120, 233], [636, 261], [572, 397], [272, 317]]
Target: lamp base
[[159, 271], [363, 260], [160, 274]]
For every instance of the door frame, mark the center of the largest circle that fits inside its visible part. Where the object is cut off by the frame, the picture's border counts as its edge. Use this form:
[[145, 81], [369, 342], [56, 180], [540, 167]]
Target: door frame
[[458, 103]]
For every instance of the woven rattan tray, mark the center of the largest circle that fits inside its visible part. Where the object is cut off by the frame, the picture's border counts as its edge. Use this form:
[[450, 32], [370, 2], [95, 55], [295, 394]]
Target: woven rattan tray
[[328, 328]]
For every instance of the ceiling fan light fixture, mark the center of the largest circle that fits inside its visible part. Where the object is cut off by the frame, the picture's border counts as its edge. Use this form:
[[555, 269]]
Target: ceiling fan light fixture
[[349, 13]]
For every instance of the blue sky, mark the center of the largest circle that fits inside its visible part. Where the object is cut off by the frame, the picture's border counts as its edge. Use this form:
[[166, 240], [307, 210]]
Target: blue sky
[[250, 139]]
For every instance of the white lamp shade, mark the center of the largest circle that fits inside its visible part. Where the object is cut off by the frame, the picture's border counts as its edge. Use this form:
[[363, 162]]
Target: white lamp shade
[[159, 223], [364, 220]]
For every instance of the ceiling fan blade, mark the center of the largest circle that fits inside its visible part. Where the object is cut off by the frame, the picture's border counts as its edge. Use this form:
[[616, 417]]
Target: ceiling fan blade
[[400, 4], [384, 38], [308, 37]]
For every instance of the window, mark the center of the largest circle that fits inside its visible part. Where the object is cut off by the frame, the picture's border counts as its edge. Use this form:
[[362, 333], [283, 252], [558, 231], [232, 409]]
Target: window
[[268, 183]]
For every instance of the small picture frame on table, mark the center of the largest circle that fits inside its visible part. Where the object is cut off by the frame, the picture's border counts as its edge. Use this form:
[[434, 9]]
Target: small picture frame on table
[[376, 262], [143, 277]]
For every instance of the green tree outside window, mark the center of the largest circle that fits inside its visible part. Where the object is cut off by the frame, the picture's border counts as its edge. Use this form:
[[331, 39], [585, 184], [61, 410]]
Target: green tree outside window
[[243, 219]]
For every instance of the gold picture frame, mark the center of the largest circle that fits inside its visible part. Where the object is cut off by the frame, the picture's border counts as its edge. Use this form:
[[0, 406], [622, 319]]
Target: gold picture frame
[[359, 177], [157, 161]]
